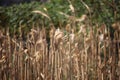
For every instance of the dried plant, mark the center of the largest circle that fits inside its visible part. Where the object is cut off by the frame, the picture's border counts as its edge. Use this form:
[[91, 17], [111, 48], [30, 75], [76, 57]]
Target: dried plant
[[75, 55]]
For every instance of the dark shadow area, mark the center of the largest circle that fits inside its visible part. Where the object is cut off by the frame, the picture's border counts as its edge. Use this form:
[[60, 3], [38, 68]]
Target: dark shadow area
[[11, 2]]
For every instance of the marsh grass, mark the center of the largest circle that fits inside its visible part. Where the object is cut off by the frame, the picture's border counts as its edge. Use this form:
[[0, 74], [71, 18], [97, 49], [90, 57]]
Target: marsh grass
[[86, 54], [78, 51]]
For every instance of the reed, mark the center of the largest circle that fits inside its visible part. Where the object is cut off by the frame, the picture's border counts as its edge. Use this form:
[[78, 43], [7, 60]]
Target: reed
[[86, 54]]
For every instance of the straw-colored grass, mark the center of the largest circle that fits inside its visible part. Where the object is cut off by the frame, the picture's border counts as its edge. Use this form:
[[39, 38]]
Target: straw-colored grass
[[79, 51], [87, 54]]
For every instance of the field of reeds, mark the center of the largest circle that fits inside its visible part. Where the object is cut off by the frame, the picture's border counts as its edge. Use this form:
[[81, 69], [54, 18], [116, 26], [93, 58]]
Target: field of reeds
[[80, 50], [88, 53]]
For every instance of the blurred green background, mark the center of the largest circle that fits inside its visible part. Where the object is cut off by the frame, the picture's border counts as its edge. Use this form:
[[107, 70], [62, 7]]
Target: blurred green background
[[16, 15]]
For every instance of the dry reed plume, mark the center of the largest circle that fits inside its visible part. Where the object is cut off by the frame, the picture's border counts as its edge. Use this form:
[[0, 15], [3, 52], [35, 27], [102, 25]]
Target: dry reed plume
[[87, 54]]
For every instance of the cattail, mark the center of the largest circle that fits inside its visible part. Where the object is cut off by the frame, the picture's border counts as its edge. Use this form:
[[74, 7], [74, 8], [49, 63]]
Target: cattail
[[37, 56], [2, 37], [116, 26], [72, 36], [68, 27], [52, 31], [39, 41], [101, 37], [83, 29], [58, 35], [82, 18]]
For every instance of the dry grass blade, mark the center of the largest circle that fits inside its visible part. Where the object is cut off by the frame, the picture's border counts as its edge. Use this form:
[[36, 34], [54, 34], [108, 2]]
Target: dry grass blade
[[42, 13], [82, 18], [67, 16], [88, 8], [72, 8]]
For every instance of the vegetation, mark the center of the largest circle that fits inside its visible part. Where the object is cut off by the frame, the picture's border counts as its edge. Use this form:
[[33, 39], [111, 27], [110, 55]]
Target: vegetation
[[60, 40], [98, 11], [72, 55]]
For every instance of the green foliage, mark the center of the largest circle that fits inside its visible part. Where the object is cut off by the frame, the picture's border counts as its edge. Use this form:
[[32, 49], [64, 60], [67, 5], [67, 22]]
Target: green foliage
[[21, 14], [102, 11]]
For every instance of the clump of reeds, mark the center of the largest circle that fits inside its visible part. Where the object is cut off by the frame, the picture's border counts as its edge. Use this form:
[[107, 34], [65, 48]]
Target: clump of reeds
[[87, 52], [70, 55]]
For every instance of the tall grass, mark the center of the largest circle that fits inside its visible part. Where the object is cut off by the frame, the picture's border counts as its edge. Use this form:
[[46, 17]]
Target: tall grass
[[76, 52], [87, 54]]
